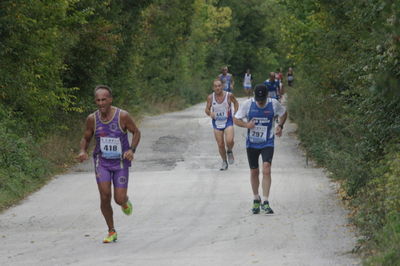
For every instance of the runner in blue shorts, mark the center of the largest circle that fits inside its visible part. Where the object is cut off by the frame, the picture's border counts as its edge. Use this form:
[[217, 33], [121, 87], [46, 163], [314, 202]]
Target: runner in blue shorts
[[227, 80], [274, 87], [112, 154], [257, 115], [219, 109]]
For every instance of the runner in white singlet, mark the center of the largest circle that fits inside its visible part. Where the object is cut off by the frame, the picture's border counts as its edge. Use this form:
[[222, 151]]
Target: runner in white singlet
[[247, 83], [219, 109]]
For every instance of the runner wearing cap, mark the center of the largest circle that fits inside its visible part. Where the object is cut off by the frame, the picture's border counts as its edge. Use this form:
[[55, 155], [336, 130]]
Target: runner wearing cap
[[257, 115]]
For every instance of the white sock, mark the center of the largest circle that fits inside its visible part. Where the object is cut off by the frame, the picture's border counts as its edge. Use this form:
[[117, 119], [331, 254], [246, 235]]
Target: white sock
[[257, 197], [265, 199]]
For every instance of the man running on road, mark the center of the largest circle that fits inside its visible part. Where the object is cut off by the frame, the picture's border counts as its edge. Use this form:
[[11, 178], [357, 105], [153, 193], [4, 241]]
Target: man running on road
[[226, 79], [219, 109], [112, 154], [274, 86], [259, 114]]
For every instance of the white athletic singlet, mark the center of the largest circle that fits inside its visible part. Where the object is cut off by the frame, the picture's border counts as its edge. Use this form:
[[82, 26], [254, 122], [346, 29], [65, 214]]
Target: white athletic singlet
[[222, 111]]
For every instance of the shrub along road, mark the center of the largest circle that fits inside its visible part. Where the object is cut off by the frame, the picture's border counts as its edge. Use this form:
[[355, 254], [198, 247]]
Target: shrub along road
[[186, 211]]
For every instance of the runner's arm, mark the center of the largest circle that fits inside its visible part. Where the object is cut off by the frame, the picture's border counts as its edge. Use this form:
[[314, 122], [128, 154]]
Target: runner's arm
[[279, 128], [282, 119], [280, 110], [241, 123], [235, 103], [281, 89], [130, 125], [241, 114], [87, 136], [208, 107]]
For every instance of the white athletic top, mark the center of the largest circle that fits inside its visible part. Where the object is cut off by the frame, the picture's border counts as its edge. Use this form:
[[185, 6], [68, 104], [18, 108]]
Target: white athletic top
[[247, 80], [222, 110], [244, 108]]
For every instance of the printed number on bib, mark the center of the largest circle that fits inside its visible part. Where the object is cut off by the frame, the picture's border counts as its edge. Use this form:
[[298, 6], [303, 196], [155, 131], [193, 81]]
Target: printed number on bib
[[110, 148], [258, 134], [220, 119]]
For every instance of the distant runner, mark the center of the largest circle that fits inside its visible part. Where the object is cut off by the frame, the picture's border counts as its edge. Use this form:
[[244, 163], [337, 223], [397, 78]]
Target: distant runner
[[226, 79], [219, 109], [290, 76], [279, 75], [274, 86], [112, 154], [259, 115], [247, 83]]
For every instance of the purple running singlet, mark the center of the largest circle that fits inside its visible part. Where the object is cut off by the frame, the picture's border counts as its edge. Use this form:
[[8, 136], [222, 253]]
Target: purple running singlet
[[111, 143]]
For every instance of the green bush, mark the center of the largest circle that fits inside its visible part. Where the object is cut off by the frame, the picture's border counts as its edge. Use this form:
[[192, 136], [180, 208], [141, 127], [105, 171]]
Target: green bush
[[21, 168]]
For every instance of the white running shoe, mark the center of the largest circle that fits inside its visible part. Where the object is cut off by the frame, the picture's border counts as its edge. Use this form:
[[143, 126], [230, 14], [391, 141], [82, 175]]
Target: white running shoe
[[224, 166]]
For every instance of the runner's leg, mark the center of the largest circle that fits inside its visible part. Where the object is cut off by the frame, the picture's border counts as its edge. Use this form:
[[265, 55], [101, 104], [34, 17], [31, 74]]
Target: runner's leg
[[266, 181], [252, 156], [120, 181], [219, 137], [120, 195], [254, 180], [105, 203], [267, 155], [229, 137]]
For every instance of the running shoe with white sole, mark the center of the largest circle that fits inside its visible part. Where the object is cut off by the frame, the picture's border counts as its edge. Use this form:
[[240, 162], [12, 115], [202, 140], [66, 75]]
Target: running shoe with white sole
[[224, 166], [265, 207]]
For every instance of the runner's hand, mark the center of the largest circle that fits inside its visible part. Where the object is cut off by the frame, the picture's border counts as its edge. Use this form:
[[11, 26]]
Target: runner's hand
[[128, 155], [278, 131], [82, 156], [212, 115], [251, 124]]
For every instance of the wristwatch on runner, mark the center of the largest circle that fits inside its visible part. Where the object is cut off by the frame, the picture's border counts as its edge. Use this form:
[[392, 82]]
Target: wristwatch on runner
[[280, 126], [133, 149]]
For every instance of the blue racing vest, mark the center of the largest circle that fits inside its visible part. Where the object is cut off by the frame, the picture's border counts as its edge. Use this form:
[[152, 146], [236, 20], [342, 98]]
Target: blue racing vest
[[226, 80], [262, 135], [273, 88]]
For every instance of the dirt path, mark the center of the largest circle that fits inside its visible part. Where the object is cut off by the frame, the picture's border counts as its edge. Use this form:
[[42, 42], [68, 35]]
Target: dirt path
[[186, 212]]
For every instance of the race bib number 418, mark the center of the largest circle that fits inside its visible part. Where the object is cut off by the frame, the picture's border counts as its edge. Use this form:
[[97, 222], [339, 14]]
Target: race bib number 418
[[110, 148]]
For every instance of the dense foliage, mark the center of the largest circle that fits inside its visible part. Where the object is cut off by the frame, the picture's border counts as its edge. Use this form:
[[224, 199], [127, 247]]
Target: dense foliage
[[347, 105], [346, 98], [151, 53]]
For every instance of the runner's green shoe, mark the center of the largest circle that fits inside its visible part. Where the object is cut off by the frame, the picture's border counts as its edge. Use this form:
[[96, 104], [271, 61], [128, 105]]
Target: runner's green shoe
[[256, 206], [111, 237], [265, 206], [127, 209]]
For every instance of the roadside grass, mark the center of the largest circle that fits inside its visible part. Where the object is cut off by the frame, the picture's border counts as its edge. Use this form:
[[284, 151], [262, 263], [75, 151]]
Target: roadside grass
[[385, 248], [368, 170], [22, 170]]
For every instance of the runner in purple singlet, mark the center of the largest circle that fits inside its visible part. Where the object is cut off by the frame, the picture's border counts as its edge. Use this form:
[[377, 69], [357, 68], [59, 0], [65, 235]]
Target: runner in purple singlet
[[112, 154]]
